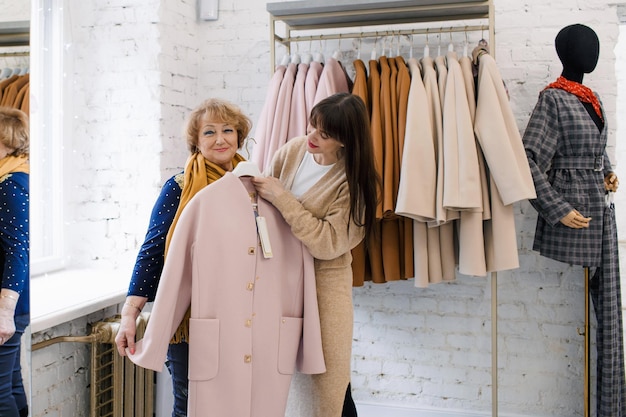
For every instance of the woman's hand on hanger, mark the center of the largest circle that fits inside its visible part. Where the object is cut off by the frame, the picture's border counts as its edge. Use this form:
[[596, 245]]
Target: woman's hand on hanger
[[268, 188], [575, 220]]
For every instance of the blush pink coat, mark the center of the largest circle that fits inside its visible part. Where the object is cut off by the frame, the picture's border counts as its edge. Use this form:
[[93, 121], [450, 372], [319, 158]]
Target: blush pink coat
[[253, 320]]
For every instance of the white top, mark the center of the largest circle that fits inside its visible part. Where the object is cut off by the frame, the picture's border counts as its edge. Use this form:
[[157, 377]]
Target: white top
[[309, 172]]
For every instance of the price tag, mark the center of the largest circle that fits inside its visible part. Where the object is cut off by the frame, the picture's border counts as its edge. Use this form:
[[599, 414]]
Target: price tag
[[264, 237]]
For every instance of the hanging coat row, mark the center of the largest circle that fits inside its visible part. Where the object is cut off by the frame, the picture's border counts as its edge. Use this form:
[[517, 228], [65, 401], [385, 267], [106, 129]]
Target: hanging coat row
[[447, 149], [294, 89], [14, 92]]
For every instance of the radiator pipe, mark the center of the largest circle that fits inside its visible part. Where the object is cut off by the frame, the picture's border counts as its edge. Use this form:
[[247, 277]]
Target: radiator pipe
[[102, 332]]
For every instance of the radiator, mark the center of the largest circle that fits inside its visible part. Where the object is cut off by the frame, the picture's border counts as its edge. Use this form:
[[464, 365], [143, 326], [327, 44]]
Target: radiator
[[118, 387]]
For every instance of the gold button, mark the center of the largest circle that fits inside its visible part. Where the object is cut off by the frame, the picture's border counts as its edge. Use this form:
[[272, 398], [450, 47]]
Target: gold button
[[251, 250], [247, 358], [250, 286], [248, 323]]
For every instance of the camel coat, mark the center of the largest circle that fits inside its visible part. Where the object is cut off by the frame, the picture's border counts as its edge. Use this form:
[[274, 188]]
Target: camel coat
[[252, 319]]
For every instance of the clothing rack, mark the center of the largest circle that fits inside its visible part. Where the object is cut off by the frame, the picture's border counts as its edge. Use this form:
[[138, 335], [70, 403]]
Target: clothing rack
[[334, 14], [286, 41], [300, 16]]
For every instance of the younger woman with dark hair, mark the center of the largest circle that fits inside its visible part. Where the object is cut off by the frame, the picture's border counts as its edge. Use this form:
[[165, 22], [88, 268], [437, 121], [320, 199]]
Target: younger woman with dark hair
[[325, 186]]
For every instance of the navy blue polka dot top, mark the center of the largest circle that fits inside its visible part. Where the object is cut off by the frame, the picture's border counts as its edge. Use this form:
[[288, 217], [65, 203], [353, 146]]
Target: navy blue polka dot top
[[150, 259], [14, 240]]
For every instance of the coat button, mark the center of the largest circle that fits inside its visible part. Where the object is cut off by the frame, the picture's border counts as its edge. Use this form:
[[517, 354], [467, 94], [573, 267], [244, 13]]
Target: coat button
[[249, 323], [250, 286], [247, 358], [251, 250]]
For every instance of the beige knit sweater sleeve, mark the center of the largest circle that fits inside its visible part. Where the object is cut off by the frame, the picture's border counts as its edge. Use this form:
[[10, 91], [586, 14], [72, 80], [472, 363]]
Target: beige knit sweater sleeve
[[320, 218]]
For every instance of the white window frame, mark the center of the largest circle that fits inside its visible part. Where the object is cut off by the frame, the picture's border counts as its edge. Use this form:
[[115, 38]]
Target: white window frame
[[47, 127]]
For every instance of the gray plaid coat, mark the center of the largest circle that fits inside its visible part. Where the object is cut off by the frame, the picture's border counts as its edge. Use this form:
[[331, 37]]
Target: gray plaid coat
[[568, 160]]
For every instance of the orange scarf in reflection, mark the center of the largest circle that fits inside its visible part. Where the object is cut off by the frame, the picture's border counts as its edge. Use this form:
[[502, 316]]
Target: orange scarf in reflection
[[10, 164], [583, 93], [198, 174]]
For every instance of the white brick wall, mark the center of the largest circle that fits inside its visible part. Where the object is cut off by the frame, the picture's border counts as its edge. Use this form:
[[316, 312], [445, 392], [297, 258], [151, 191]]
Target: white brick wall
[[136, 72]]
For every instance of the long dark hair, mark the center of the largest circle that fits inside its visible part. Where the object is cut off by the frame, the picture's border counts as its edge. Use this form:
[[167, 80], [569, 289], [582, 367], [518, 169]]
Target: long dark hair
[[344, 117]]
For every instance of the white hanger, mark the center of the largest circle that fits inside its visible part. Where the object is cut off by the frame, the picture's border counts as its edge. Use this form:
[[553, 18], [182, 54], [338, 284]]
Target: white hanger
[[374, 54], [247, 169], [285, 60], [450, 45], [426, 48], [439, 45], [319, 56], [337, 53], [307, 58], [466, 43]]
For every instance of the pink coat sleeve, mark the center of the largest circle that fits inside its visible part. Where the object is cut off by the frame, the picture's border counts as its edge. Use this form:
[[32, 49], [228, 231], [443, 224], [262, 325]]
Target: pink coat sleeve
[[173, 297]]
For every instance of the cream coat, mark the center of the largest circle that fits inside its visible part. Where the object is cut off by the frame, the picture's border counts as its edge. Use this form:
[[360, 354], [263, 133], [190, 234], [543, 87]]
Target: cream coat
[[252, 319], [511, 179]]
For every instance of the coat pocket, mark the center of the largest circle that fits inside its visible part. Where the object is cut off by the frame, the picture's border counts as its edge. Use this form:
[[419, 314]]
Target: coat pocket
[[204, 335], [288, 344]]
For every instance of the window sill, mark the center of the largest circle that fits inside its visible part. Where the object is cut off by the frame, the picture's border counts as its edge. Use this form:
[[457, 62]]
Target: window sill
[[66, 295]]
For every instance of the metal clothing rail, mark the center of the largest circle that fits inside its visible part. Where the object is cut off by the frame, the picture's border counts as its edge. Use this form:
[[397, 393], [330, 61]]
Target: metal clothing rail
[[332, 14], [327, 14], [286, 41], [10, 54]]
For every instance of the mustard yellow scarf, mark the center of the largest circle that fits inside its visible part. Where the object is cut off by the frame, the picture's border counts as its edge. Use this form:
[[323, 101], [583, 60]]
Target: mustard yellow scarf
[[198, 174], [10, 164]]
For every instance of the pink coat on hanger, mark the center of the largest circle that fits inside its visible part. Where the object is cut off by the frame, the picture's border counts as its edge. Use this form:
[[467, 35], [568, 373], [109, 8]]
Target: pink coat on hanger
[[333, 80], [280, 124], [254, 320], [263, 130], [310, 85], [298, 116]]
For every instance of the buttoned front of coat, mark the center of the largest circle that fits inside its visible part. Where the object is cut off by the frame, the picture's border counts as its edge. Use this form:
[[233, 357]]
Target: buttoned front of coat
[[252, 319]]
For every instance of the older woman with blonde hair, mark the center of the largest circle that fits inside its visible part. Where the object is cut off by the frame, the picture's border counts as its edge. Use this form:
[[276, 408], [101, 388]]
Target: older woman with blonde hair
[[14, 249], [215, 131]]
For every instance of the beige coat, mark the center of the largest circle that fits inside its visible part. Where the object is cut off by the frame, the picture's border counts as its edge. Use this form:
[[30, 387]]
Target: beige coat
[[511, 180]]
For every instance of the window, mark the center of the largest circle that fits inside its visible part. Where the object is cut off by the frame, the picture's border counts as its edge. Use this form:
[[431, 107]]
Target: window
[[47, 129]]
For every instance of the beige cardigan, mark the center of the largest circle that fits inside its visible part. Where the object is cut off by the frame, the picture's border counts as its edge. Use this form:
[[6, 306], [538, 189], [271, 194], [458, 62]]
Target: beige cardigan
[[320, 220]]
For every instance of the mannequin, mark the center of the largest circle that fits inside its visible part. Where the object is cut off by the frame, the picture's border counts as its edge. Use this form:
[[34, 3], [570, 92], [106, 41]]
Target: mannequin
[[565, 143], [552, 139]]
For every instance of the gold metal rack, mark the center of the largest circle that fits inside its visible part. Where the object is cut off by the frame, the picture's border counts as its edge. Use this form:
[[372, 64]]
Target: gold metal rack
[[333, 14], [321, 15]]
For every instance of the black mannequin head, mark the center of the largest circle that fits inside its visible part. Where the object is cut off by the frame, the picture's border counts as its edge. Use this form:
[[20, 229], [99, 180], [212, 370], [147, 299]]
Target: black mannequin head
[[578, 49]]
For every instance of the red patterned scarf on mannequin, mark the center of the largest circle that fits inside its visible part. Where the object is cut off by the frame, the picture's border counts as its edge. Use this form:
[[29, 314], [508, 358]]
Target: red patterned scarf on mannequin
[[583, 93]]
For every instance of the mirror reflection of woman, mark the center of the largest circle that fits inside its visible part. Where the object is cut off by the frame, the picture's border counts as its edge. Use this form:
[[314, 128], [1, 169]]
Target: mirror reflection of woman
[[14, 247], [215, 131]]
